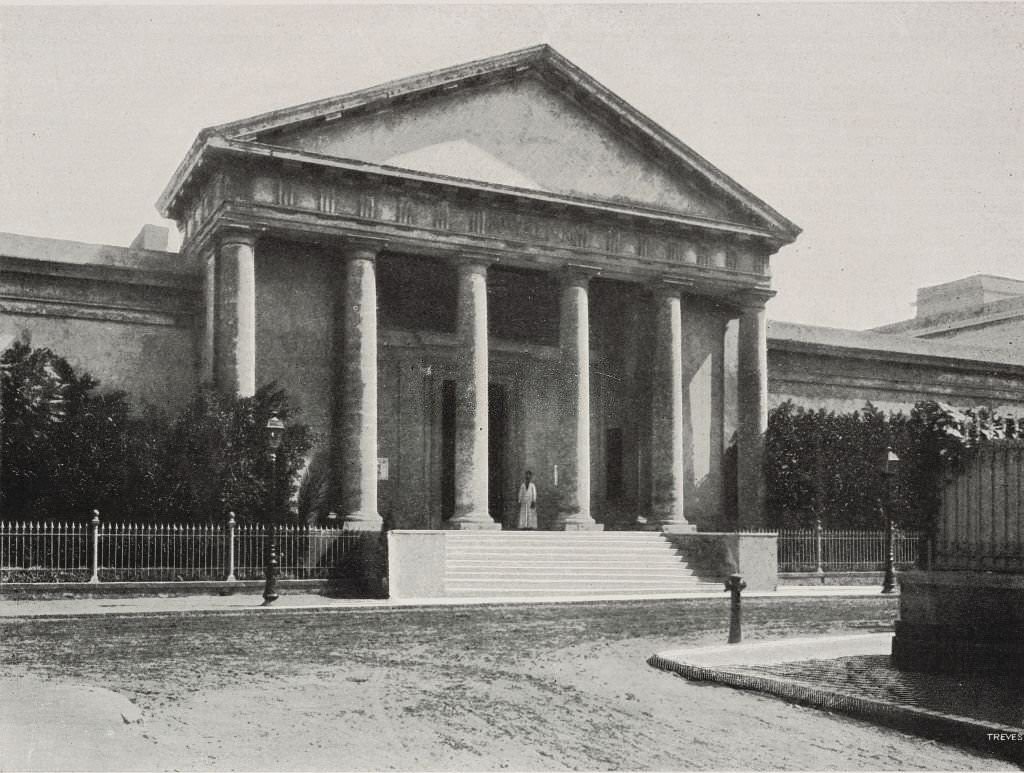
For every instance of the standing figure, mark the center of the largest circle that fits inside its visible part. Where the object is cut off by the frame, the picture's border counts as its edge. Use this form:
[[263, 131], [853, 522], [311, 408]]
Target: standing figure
[[527, 503]]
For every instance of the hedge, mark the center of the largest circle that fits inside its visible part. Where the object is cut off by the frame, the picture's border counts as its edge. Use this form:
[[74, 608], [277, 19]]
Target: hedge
[[828, 466]]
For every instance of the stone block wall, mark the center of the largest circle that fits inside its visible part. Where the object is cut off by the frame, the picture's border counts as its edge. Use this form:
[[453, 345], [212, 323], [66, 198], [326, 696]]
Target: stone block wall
[[127, 317]]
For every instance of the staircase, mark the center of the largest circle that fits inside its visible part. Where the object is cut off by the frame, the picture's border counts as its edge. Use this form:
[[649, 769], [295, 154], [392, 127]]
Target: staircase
[[553, 563]]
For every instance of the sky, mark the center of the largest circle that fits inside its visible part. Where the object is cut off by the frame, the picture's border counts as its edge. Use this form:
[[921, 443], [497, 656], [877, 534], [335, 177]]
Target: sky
[[891, 133]]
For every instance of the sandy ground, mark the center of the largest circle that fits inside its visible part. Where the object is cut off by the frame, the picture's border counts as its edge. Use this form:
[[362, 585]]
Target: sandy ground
[[448, 690]]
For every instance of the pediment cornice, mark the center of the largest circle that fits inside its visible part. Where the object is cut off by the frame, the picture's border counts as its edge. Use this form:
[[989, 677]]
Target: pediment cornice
[[538, 61], [313, 164]]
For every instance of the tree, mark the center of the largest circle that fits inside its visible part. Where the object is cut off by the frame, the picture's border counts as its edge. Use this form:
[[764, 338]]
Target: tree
[[68, 449], [826, 465], [217, 459]]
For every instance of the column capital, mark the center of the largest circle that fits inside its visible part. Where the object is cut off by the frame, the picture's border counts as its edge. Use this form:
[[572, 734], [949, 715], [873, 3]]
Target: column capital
[[668, 288], [237, 234], [361, 249], [752, 300], [474, 260], [577, 274]]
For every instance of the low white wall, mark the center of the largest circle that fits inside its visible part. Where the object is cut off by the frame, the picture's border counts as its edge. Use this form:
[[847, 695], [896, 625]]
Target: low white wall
[[416, 564], [716, 555]]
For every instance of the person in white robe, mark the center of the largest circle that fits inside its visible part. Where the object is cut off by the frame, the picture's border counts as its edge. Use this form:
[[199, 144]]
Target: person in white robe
[[527, 503]]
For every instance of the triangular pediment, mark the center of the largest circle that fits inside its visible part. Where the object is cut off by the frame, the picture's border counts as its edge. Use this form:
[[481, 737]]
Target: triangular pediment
[[518, 133], [528, 120]]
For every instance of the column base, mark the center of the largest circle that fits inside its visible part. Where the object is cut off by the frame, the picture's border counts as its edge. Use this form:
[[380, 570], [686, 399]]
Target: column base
[[576, 523], [670, 528], [362, 522], [474, 522], [678, 528]]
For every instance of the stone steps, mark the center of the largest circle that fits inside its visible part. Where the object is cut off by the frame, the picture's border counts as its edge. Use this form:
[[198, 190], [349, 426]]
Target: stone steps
[[567, 564]]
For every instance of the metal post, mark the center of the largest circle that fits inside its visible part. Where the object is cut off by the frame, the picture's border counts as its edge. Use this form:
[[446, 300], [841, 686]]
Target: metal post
[[819, 538], [270, 594], [94, 528], [889, 582], [889, 466], [231, 548], [735, 585]]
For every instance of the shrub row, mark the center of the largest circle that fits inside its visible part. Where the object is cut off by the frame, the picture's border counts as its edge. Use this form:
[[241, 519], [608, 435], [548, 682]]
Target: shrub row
[[68, 448], [828, 466]]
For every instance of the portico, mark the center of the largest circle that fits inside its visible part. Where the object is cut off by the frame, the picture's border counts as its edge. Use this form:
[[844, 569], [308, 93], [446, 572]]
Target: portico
[[451, 309]]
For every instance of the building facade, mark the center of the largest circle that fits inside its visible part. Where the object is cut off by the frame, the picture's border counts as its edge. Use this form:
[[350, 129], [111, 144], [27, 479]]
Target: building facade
[[459, 276], [495, 267]]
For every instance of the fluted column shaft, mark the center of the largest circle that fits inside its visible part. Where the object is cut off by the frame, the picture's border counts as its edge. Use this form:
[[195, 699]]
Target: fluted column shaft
[[752, 399], [471, 408], [574, 339], [357, 420], [234, 343], [667, 409]]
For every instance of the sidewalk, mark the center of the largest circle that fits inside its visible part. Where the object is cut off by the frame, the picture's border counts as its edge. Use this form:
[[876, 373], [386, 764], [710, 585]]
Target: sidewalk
[[252, 602], [853, 675]]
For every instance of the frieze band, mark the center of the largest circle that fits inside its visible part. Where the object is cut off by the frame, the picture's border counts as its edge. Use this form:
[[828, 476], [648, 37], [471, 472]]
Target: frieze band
[[424, 211]]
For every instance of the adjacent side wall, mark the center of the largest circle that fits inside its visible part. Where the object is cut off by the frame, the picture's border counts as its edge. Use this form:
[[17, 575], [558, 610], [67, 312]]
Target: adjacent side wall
[[127, 317], [840, 370]]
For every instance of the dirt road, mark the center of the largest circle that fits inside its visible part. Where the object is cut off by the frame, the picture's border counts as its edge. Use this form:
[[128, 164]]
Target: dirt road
[[516, 688]]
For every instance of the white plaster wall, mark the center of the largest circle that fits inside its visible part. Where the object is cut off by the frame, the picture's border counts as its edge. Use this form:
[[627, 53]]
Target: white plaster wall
[[154, 364], [521, 134], [1008, 334]]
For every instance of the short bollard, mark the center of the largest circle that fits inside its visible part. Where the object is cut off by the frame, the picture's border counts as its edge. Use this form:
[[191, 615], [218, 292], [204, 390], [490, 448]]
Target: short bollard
[[270, 594], [94, 528], [735, 585]]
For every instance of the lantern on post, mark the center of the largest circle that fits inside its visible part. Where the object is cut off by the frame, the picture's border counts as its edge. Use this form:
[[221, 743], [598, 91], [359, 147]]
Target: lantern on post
[[889, 468], [274, 436]]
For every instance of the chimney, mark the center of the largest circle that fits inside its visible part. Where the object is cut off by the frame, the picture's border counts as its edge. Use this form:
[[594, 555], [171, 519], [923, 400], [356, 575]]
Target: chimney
[[151, 237]]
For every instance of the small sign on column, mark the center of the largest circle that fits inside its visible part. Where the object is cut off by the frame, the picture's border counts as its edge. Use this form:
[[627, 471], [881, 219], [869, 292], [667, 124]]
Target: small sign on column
[[382, 468]]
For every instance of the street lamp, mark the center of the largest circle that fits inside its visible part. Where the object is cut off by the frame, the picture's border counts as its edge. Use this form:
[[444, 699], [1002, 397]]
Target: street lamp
[[275, 433], [889, 467]]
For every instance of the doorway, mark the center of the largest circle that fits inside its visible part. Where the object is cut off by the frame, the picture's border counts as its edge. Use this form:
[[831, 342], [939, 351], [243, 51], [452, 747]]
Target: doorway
[[497, 444], [497, 447], [447, 449]]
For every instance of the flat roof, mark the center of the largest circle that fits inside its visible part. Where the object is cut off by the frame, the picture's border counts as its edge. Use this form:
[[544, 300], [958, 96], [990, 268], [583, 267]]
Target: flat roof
[[85, 254], [790, 335]]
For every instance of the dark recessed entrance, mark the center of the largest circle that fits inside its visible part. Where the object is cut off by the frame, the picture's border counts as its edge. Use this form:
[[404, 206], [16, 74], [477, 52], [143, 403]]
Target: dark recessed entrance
[[497, 435], [447, 449]]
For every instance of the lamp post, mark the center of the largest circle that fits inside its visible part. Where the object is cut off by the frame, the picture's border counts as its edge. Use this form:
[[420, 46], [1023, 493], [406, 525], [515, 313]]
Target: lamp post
[[889, 472], [275, 432]]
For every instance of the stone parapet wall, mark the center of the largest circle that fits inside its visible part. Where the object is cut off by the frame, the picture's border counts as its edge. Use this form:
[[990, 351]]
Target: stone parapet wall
[[840, 370], [126, 317], [961, 622]]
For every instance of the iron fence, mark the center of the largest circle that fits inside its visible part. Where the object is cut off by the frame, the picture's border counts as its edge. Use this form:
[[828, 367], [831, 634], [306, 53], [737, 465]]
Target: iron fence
[[126, 552], [100, 552], [844, 550], [41, 552]]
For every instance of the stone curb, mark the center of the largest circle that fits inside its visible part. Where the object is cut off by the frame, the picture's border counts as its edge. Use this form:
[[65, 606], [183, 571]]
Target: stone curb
[[328, 605], [38, 591], [948, 728], [256, 609]]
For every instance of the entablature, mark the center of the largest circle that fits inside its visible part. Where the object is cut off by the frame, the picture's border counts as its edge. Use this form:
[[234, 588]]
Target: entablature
[[321, 203]]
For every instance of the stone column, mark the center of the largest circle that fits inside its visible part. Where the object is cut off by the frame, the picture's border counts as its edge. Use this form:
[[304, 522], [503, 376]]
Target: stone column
[[357, 419], [574, 462], [752, 419], [471, 403], [667, 412], [234, 366]]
